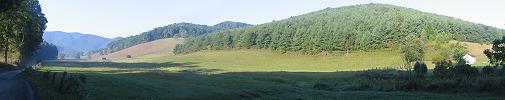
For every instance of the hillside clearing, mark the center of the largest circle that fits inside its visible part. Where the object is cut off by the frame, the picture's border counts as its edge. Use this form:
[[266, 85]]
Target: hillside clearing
[[162, 47], [477, 50]]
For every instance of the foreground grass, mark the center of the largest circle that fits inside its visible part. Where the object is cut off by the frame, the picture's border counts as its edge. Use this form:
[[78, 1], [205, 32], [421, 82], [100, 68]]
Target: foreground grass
[[243, 74], [125, 84]]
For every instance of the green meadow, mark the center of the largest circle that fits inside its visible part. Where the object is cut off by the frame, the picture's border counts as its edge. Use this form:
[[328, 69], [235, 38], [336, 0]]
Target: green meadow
[[238, 74]]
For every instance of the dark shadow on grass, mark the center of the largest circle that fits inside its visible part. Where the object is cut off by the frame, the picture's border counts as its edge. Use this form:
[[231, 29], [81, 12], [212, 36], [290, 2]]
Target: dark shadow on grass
[[145, 81], [241, 85], [123, 67], [86, 64]]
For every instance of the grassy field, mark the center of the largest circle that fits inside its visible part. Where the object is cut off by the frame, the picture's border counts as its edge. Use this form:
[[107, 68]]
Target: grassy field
[[477, 50], [239, 74], [266, 61]]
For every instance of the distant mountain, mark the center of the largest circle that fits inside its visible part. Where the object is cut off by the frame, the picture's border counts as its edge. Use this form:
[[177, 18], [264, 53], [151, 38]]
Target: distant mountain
[[230, 25], [176, 30], [116, 38], [73, 42]]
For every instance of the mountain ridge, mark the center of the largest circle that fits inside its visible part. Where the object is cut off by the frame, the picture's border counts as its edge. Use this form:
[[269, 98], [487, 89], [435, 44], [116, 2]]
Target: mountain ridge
[[176, 30], [74, 42]]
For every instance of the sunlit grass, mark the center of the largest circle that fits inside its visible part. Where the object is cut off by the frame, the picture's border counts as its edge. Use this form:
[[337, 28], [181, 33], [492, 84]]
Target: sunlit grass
[[266, 60]]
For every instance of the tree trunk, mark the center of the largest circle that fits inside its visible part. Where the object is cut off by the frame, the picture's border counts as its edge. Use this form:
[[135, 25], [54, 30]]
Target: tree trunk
[[6, 49]]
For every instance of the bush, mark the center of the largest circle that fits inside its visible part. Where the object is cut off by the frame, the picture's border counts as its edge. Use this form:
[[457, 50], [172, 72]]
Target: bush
[[420, 69], [488, 70], [490, 85], [378, 74], [442, 69], [323, 86], [464, 70], [500, 70], [442, 85], [128, 56], [467, 85]]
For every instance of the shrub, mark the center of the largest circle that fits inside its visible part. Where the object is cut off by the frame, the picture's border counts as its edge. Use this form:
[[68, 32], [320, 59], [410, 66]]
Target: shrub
[[420, 69], [410, 85], [464, 69], [500, 70], [323, 86], [442, 85], [378, 74], [489, 85], [442, 69], [467, 85], [488, 70], [128, 56]]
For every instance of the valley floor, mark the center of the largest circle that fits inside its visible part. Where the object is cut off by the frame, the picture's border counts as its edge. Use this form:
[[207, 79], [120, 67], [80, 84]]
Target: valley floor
[[238, 74]]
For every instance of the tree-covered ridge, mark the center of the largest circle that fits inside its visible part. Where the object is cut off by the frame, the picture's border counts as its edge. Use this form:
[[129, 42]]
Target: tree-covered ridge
[[230, 25], [176, 30], [357, 27]]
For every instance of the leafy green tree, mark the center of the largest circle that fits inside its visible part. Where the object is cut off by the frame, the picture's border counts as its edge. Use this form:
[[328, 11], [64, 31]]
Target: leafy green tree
[[413, 51], [21, 27], [420, 69], [496, 54], [247, 40], [441, 69], [46, 51]]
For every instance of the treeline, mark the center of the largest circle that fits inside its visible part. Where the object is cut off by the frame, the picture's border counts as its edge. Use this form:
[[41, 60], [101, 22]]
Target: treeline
[[46, 51], [21, 27], [358, 27], [177, 30]]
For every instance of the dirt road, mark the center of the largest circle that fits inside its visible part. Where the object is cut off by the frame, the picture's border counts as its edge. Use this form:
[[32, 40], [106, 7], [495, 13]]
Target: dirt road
[[12, 87]]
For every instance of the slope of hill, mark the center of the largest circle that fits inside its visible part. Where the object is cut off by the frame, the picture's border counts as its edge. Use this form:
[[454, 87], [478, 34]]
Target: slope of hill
[[161, 47], [71, 43], [477, 50], [357, 27], [176, 30]]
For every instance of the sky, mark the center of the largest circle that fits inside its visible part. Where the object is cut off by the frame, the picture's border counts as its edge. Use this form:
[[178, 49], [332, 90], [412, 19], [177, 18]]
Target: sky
[[123, 18]]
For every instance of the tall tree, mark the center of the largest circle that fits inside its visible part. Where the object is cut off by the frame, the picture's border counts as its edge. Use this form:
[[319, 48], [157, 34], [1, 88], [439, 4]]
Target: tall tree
[[22, 24]]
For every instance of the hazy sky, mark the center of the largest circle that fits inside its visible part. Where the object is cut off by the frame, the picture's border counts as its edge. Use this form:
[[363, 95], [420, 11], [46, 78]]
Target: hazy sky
[[113, 18]]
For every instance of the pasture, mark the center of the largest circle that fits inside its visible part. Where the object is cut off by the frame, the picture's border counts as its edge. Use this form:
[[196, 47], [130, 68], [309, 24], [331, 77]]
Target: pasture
[[238, 74]]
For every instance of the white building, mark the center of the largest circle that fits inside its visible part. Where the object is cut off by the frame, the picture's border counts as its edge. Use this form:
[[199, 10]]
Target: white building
[[470, 59]]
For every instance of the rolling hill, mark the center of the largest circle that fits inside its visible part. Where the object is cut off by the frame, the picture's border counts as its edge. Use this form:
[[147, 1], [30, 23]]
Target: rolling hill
[[177, 30], [73, 42], [161, 47], [356, 27]]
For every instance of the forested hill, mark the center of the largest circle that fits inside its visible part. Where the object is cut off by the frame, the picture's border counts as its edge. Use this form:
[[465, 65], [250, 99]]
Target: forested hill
[[176, 30], [356, 27]]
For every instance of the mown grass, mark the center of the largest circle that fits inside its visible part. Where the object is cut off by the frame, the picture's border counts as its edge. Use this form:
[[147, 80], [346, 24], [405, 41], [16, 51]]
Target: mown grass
[[240, 74], [266, 60]]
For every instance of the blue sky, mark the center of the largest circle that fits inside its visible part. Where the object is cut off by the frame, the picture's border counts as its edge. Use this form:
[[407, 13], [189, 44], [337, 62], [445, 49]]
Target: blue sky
[[113, 18]]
